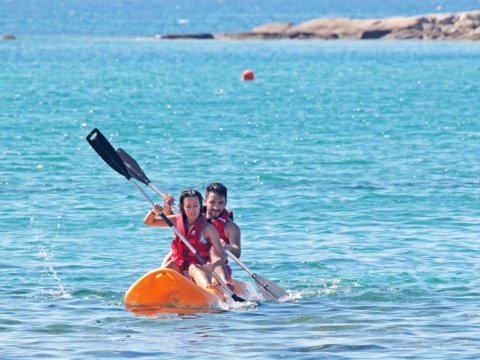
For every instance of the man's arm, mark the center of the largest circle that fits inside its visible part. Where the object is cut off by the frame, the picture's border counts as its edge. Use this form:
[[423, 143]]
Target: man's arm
[[232, 231], [217, 254]]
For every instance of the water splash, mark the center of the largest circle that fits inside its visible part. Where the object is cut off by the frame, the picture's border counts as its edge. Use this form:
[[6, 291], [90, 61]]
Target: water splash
[[47, 261], [251, 295], [61, 292]]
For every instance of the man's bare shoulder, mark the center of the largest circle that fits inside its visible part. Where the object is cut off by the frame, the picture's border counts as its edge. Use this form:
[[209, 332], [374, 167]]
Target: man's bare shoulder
[[231, 225]]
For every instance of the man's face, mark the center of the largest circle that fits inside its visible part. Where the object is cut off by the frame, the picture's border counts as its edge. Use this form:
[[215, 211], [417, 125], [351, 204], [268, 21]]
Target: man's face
[[215, 205]]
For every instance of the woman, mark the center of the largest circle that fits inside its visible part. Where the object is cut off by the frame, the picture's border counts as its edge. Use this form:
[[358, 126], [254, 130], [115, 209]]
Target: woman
[[199, 232]]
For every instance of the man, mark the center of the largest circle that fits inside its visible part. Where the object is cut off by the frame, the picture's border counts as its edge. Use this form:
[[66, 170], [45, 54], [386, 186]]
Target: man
[[222, 220]]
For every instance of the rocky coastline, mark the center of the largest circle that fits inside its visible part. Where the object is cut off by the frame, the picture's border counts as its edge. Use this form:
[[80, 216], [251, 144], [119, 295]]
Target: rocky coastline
[[444, 26]]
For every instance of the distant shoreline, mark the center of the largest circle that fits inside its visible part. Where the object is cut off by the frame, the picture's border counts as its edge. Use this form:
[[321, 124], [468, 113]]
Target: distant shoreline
[[441, 26]]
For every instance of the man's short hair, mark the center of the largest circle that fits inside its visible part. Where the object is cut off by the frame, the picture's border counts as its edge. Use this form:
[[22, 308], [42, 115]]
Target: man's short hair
[[217, 188]]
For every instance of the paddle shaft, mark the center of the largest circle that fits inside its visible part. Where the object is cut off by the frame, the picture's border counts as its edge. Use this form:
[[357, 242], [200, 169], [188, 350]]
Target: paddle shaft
[[154, 188], [269, 288], [137, 172], [241, 264]]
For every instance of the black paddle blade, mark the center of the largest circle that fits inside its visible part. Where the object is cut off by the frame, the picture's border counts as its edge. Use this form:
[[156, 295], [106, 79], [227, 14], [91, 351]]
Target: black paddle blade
[[102, 146], [269, 290], [238, 298], [133, 168]]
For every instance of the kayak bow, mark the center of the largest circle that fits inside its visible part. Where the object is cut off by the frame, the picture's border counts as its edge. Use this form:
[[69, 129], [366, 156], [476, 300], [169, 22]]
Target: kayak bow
[[165, 290]]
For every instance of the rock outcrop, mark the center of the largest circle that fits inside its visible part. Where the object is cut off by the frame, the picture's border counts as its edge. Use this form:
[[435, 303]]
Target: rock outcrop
[[453, 26]]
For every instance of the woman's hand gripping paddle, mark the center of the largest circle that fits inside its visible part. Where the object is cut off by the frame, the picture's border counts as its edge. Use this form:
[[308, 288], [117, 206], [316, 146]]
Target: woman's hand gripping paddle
[[269, 290], [106, 151]]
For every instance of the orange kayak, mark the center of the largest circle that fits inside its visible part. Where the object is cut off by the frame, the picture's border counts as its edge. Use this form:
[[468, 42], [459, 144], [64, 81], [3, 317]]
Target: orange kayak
[[165, 290]]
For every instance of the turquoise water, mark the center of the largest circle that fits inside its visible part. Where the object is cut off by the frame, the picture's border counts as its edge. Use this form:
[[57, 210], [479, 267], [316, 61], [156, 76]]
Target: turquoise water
[[353, 170]]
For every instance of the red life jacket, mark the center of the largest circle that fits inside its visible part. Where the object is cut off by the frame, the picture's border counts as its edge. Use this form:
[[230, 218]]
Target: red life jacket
[[182, 256], [220, 222]]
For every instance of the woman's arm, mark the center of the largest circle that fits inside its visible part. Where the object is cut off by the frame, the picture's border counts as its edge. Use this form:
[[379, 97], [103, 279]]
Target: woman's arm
[[152, 221], [157, 209]]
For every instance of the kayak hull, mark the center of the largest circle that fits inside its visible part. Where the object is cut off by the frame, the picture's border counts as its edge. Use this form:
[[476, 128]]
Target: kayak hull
[[165, 290]]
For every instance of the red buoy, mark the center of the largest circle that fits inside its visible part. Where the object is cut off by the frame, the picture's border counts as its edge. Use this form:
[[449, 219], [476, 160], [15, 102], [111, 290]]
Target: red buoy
[[248, 75]]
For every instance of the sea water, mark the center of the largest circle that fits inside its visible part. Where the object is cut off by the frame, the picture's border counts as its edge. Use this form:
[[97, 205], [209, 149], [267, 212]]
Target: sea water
[[352, 168]]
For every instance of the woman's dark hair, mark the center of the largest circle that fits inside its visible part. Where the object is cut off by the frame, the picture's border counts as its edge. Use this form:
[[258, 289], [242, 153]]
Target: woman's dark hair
[[217, 188], [190, 193]]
